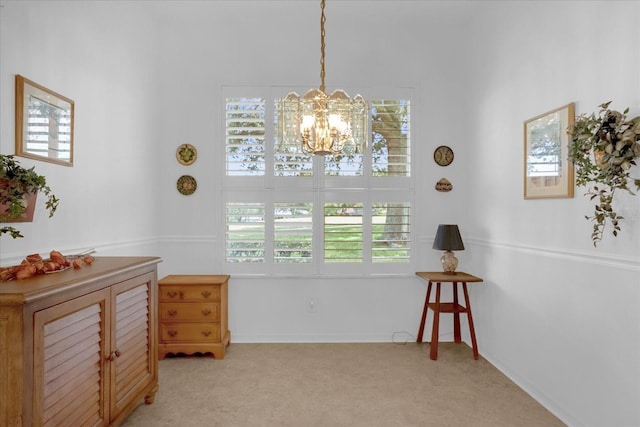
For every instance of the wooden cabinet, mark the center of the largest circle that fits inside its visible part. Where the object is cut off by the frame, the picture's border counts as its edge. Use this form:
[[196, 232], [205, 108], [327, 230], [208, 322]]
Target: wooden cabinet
[[193, 315], [79, 347]]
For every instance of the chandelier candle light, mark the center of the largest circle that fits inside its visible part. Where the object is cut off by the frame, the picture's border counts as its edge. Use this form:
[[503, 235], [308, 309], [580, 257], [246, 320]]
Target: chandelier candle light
[[323, 124], [448, 239]]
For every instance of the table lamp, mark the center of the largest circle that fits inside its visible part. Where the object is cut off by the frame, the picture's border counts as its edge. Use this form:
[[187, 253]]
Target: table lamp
[[448, 239]]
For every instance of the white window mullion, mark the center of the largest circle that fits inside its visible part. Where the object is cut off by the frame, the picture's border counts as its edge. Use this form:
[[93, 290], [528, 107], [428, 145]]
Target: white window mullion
[[269, 136], [268, 235], [318, 229], [366, 233]]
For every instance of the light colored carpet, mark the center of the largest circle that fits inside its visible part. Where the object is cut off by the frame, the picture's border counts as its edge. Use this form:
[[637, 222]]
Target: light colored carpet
[[378, 384]]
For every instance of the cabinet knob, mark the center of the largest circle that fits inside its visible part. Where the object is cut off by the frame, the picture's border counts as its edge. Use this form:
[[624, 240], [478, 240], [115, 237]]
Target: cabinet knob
[[113, 355], [172, 294], [206, 312], [172, 312], [172, 332], [206, 333], [206, 294]]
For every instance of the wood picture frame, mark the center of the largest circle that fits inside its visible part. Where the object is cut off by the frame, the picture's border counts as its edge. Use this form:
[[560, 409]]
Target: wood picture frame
[[44, 123], [548, 172]]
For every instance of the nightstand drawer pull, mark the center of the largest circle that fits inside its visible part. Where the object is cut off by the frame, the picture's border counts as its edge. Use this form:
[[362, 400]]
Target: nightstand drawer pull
[[206, 312], [206, 333], [173, 294], [172, 313], [172, 332], [206, 294]]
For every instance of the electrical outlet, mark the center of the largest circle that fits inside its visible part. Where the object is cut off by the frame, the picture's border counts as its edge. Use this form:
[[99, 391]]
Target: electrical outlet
[[312, 305]]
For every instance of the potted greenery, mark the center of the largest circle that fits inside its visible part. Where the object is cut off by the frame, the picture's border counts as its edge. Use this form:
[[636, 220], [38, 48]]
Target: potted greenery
[[604, 148], [18, 188]]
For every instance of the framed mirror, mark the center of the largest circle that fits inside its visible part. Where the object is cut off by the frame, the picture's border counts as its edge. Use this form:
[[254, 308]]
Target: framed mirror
[[548, 172], [44, 123]]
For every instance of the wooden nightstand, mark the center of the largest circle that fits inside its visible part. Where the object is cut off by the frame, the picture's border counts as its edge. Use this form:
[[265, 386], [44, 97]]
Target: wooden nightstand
[[193, 315]]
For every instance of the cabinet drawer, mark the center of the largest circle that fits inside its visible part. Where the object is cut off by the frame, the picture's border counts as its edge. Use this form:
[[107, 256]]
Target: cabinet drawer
[[190, 293], [190, 332], [190, 311]]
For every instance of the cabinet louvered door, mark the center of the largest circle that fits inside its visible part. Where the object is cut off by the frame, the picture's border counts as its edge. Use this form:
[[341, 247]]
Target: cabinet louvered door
[[133, 337], [69, 370]]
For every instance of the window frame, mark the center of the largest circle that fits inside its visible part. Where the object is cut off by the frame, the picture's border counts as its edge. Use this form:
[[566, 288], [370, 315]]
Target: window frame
[[317, 189]]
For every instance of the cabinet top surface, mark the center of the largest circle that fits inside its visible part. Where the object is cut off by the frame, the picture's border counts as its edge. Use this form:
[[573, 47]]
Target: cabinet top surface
[[441, 276], [20, 291], [194, 279]]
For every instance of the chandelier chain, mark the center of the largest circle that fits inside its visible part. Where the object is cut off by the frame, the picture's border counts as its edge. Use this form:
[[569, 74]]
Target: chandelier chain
[[322, 21], [322, 124]]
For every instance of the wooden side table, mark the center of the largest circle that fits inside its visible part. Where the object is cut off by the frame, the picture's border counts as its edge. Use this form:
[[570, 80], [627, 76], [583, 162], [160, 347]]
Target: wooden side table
[[438, 307]]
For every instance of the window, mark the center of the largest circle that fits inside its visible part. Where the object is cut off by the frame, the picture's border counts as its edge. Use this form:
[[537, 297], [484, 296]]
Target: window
[[245, 235], [390, 232], [290, 213], [343, 231], [292, 232], [391, 153], [245, 124]]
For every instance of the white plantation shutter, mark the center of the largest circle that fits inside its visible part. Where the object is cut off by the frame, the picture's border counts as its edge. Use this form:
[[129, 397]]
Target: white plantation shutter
[[287, 213], [289, 160], [343, 165], [343, 233], [288, 163], [245, 232], [292, 232], [391, 232], [245, 136], [391, 142]]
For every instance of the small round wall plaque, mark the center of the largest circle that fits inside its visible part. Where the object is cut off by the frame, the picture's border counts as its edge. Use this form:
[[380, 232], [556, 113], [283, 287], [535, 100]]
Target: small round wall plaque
[[186, 154], [443, 155], [187, 185]]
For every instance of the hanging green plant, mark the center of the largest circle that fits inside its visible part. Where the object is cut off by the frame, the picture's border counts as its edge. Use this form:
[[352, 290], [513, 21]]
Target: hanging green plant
[[604, 148], [16, 185]]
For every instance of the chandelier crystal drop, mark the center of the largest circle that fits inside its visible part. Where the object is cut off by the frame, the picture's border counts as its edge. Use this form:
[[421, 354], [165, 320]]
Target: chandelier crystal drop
[[323, 124]]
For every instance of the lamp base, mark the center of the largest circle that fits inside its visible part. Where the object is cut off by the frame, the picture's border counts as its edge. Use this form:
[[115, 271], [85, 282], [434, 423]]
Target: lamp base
[[449, 262]]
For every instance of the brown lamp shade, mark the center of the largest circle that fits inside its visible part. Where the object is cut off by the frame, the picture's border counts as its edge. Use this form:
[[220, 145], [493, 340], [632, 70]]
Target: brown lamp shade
[[448, 238]]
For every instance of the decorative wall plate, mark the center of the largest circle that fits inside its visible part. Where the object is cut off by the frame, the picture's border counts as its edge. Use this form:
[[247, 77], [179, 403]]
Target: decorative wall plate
[[187, 185], [443, 155], [186, 154], [444, 185]]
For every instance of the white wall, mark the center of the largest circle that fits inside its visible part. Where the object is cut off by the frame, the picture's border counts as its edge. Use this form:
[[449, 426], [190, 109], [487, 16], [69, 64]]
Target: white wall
[[104, 57], [368, 45], [146, 77], [556, 314]]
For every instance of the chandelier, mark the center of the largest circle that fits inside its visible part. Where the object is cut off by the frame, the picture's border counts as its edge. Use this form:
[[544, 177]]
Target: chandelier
[[323, 124]]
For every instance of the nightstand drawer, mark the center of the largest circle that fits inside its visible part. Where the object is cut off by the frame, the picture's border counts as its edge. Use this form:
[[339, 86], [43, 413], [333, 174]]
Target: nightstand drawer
[[190, 332], [191, 311], [189, 293]]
